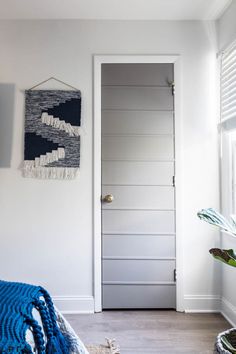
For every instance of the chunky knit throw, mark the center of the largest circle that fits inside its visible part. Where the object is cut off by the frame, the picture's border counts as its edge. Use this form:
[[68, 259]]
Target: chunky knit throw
[[17, 301]]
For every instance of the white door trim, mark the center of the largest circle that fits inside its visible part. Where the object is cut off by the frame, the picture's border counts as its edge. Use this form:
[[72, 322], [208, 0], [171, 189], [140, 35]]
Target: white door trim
[[97, 227]]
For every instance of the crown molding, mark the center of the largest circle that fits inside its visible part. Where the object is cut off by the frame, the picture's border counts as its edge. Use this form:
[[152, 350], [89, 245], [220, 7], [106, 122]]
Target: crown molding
[[215, 9]]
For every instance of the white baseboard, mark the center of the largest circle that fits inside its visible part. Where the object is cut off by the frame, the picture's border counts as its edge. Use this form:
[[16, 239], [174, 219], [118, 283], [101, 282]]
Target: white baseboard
[[192, 304], [228, 311], [74, 304], [202, 303]]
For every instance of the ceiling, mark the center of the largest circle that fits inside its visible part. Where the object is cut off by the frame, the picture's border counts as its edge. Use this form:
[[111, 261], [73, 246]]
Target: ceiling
[[113, 9]]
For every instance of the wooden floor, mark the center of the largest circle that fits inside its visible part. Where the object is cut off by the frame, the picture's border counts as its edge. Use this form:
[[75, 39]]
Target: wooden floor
[[149, 332]]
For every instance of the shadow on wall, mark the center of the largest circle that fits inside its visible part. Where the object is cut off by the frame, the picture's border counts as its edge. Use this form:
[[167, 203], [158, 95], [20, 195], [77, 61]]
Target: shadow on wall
[[7, 100]]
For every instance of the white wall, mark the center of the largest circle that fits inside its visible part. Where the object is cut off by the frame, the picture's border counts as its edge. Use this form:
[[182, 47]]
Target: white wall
[[46, 226], [226, 34]]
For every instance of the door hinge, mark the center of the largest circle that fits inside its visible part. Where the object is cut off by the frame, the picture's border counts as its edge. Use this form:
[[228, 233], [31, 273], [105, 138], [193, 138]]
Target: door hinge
[[175, 276], [173, 181], [172, 86]]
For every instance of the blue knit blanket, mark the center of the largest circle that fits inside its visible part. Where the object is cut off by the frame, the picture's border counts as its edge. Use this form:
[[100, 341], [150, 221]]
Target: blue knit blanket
[[17, 301]]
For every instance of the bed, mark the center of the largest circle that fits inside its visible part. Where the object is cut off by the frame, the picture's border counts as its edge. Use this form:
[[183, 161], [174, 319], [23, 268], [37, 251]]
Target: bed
[[30, 323], [66, 329]]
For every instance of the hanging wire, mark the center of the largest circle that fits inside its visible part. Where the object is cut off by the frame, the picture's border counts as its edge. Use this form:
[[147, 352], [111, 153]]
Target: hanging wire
[[54, 78]]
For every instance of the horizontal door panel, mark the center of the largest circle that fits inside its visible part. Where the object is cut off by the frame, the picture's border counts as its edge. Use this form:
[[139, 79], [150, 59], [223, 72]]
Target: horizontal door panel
[[138, 246], [137, 173], [138, 270], [137, 74], [139, 296], [137, 148], [137, 122], [140, 197], [143, 98], [138, 221]]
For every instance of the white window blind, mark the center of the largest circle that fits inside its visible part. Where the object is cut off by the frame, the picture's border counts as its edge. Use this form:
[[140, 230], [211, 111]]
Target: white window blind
[[228, 88]]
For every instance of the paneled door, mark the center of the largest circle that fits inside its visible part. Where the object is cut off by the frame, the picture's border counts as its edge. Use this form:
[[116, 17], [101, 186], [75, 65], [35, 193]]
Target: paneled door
[[138, 193]]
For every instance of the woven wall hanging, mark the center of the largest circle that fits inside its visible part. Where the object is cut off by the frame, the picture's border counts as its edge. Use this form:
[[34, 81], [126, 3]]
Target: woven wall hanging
[[52, 133]]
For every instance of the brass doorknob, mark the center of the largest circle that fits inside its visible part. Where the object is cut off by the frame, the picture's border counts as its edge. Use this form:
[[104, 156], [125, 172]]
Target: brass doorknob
[[108, 198]]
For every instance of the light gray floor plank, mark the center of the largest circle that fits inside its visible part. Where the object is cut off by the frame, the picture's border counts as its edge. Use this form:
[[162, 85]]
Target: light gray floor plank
[[148, 332]]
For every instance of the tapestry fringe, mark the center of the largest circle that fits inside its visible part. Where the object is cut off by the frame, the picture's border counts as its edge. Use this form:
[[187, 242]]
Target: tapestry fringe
[[60, 124], [50, 172], [115, 349]]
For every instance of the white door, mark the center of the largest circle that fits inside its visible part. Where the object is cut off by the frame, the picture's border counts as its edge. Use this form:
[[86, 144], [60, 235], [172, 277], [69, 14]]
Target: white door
[[138, 168]]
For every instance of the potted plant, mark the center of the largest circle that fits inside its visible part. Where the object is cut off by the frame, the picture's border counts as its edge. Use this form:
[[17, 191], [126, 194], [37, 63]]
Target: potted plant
[[226, 341]]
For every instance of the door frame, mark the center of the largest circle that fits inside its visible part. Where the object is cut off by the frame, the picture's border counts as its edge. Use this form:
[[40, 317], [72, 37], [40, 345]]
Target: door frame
[[97, 213]]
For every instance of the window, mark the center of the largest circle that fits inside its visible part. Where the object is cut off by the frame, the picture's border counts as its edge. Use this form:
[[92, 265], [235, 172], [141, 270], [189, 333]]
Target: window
[[228, 129], [228, 88]]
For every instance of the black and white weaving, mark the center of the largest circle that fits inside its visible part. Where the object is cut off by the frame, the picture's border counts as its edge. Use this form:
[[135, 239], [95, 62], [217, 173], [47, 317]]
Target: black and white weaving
[[52, 134]]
